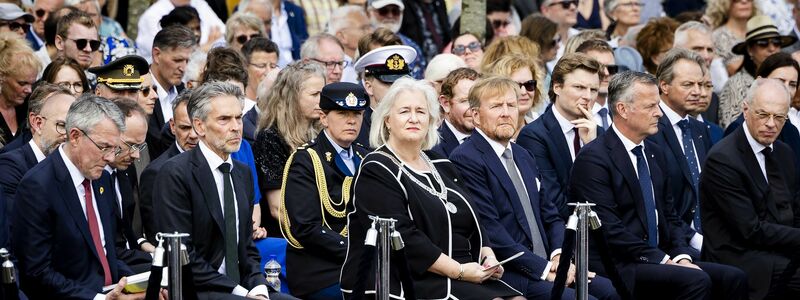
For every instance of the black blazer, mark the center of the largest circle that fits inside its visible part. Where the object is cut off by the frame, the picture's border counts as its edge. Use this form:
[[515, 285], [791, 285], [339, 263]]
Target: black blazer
[[318, 262], [412, 25], [185, 200], [363, 134], [746, 225], [133, 256], [684, 194], [147, 182], [22, 121], [603, 174], [18, 141], [51, 239], [14, 165], [789, 135], [447, 142]]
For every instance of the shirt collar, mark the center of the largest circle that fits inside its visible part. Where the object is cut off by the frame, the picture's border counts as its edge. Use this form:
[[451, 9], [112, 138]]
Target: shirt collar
[[565, 124], [214, 161], [336, 146], [596, 107], [180, 150], [673, 117], [755, 145], [699, 117], [460, 136], [629, 145], [496, 146], [36, 151], [74, 173], [160, 91]]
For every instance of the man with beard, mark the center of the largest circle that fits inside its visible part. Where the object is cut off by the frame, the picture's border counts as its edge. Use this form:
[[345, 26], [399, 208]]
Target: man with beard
[[47, 111], [389, 14], [558, 135], [457, 125], [77, 38]]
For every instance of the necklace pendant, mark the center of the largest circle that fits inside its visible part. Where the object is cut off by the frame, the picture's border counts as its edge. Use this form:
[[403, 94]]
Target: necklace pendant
[[451, 207]]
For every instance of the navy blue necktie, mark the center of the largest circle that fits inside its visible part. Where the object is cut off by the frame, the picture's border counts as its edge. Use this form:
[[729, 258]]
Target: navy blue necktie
[[646, 184], [694, 170], [604, 117]]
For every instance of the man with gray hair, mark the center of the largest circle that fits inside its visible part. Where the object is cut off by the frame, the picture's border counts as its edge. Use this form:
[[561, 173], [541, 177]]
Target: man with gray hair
[[67, 212], [747, 196], [348, 24], [685, 140], [696, 36], [326, 50], [630, 186], [207, 194]]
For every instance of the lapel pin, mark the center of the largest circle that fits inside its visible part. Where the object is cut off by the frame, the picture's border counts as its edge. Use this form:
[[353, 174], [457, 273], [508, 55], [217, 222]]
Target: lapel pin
[[328, 156], [101, 190]]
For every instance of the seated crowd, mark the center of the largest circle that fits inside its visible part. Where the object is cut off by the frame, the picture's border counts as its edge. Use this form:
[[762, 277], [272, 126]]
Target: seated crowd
[[280, 129]]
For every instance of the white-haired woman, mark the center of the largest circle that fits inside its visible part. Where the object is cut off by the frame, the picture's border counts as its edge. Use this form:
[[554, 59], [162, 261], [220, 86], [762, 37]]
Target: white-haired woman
[[400, 180]]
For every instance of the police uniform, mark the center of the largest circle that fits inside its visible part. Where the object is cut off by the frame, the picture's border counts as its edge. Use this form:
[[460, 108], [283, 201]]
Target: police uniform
[[316, 190], [386, 64], [124, 73]]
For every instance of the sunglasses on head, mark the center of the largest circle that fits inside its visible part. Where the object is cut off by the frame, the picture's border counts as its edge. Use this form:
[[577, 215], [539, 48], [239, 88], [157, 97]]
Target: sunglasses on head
[[40, 13], [500, 23], [244, 38], [14, 26], [565, 4], [765, 42], [462, 49], [81, 44], [393, 10], [529, 85]]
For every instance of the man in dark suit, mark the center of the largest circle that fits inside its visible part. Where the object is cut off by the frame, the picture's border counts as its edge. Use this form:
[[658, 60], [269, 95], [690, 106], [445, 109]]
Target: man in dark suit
[[172, 47], [749, 201], [64, 228], [556, 137], [207, 194], [684, 140], [185, 139], [703, 110], [502, 178], [47, 110], [625, 176], [457, 124], [696, 37]]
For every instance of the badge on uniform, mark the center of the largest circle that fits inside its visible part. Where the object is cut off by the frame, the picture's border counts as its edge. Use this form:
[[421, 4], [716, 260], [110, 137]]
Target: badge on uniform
[[328, 156], [127, 70]]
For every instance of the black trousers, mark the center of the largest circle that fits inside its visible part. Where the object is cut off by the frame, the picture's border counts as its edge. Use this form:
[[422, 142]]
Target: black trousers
[[714, 281]]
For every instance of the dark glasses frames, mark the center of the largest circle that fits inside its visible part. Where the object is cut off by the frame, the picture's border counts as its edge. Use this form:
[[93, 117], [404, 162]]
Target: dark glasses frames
[[565, 4], [14, 26], [529, 85], [40, 13], [147, 89], [389, 10], [81, 44], [462, 49], [612, 69], [765, 42], [244, 38], [499, 23]]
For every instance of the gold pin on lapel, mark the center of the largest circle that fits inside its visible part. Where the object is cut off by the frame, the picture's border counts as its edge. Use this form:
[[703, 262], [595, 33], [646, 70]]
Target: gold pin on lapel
[[328, 156], [101, 190]]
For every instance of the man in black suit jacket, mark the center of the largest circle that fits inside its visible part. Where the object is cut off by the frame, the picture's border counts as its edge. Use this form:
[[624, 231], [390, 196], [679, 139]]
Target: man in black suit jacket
[[207, 194], [683, 139], [457, 124], [624, 175], [63, 254], [748, 191]]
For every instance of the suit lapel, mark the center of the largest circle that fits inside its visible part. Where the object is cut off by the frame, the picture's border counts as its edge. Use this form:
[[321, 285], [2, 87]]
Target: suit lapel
[[750, 162], [449, 140], [30, 158], [208, 186], [623, 164], [72, 202], [655, 178], [557, 139], [671, 137], [701, 139]]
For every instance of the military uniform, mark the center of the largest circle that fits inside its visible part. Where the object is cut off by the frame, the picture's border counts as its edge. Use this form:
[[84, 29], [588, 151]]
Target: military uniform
[[316, 191]]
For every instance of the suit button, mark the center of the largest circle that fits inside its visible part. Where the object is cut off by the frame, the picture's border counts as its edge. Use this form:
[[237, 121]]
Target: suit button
[[341, 242], [323, 231]]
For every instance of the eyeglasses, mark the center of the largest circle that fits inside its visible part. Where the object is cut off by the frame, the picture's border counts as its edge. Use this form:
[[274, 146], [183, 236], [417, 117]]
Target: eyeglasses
[[529, 85], [764, 116], [565, 4], [104, 149], [393, 10], [612, 69], [76, 87], [499, 23], [462, 49], [631, 4], [147, 89], [330, 65], [14, 26], [765, 42], [81, 44], [265, 65], [40, 13], [135, 147], [244, 38], [61, 126]]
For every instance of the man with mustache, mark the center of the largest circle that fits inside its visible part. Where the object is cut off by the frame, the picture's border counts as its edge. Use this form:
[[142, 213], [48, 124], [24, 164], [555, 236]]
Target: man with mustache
[[457, 124], [625, 175], [556, 138], [77, 38], [502, 178]]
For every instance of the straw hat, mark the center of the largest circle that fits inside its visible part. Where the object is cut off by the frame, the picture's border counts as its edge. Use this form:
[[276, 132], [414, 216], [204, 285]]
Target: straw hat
[[762, 27]]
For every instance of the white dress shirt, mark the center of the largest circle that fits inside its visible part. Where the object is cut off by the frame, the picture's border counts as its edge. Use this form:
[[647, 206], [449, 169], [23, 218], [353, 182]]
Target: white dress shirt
[[282, 36], [36, 151], [757, 148], [149, 24], [568, 130], [794, 117], [165, 98], [460, 136]]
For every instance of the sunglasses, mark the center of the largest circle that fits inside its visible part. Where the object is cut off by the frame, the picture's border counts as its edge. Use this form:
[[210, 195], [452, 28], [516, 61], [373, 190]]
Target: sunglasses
[[146, 90], [462, 49], [40, 13], [565, 4], [765, 42], [529, 85], [244, 38], [14, 26], [81, 44], [393, 10], [499, 23], [612, 69]]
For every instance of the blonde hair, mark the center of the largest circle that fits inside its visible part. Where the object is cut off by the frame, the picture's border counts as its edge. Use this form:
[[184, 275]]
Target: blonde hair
[[379, 133], [504, 46], [16, 56], [282, 108], [512, 63], [717, 11]]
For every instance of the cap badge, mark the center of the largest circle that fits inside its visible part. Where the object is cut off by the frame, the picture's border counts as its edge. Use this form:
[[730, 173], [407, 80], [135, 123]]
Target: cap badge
[[127, 70], [395, 62], [351, 100]]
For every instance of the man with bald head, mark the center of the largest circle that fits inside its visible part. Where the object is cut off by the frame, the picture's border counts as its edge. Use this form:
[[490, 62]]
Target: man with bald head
[[747, 195]]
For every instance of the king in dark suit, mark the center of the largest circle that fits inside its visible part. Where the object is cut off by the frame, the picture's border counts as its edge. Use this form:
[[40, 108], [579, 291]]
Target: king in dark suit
[[457, 124], [64, 224], [624, 175], [749, 204]]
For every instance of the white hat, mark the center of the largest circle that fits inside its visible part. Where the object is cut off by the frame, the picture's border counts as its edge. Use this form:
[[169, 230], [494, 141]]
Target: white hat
[[387, 63], [10, 12], [441, 65], [378, 4]]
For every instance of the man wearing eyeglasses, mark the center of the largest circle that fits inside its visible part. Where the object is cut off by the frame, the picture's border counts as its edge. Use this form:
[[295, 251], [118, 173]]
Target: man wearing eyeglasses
[[565, 14], [327, 51], [556, 138], [77, 38], [747, 196], [63, 232], [13, 19], [602, 52]]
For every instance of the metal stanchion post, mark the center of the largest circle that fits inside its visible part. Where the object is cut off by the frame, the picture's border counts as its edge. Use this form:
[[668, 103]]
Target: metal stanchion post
[[175, 261], [586, 219], [385, 229]]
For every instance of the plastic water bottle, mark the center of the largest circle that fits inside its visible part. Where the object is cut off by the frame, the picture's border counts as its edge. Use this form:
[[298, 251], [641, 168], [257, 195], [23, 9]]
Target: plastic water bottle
[[273, 271]]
